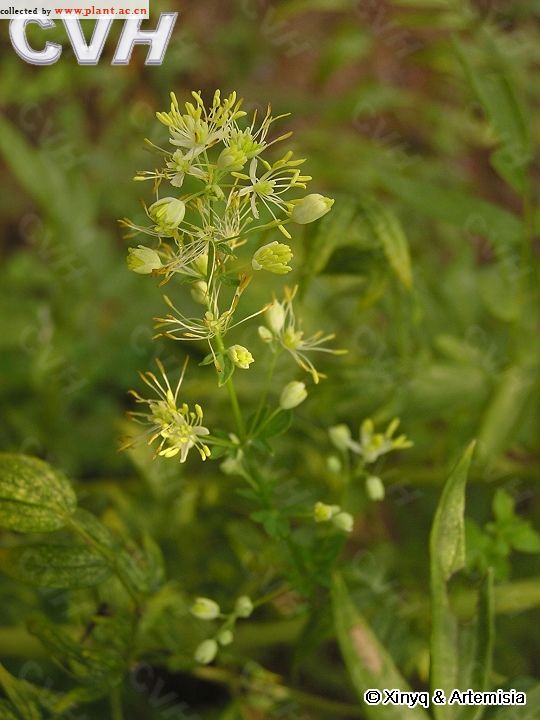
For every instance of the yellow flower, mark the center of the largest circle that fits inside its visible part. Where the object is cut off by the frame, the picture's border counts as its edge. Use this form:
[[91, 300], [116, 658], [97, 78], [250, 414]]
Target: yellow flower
[[175, 427], [240, 356]]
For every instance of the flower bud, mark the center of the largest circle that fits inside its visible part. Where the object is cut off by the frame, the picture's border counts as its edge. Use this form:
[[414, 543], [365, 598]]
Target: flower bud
[[225, 637], [233, 465], [231, 158], [243, 606], [344, 521], [143, 260], [323, 512], [292, 395], [240, 356], [333, 463], [205, 609], [206, 652], [273, 257], [374, 488], [199, 292], [340, 436], [275, 317], [167, 214], [201, 264], [310, 208], [265, 334]]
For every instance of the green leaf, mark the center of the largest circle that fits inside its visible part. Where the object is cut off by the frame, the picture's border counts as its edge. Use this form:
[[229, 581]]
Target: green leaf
[[55, 566], [41, 179], [499, 290], [208, 360], [42, 697], [19, 696], [491, 81], [273, 522], [137, 570], [476, 656], [98, 666], [447, 541], [7, 711], [524, 538], [368, 663], [225, 368], [257, 419], [458, 207], [510, 598], [276, 425], [141, 569], [503, 505], [352, 239], [447, 556], [334, 230], [33, 496], [389, 233], [225, 249], [502, 417], [521, 712]]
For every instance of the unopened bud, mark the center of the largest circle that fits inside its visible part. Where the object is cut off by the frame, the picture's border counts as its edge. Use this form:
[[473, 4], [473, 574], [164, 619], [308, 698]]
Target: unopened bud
[[265, 334], [275, 317], [206, 652], [273, 257], [243, 607], [340, 435], [205, 609], [143, 260], [333, 464], [310, 208], [225, 637], [231, 158], [344, 521], [167, 214], [292, 395], [375, 488], [199, 292]]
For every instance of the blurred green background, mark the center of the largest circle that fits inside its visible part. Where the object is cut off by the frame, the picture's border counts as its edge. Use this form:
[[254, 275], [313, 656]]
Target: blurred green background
[[401, 102]]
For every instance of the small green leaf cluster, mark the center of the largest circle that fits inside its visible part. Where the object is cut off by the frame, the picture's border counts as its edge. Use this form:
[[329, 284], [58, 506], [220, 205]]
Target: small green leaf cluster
[[492, 545]]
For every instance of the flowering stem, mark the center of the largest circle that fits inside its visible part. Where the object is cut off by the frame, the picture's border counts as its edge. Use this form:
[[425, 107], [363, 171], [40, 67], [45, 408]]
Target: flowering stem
[[232, 396]]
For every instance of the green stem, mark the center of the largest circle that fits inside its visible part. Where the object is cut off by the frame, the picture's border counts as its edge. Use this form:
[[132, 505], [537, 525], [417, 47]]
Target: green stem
[[117, 712], [271, 595], [268, 419], [233, 398], [269, 376]]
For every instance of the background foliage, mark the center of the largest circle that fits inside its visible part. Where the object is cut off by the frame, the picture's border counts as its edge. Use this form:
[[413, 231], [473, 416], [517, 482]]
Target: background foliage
[[418, 117]]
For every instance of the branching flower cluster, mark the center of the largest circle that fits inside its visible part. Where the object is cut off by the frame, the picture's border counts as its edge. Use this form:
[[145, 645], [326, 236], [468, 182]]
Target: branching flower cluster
[[215, 190]]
